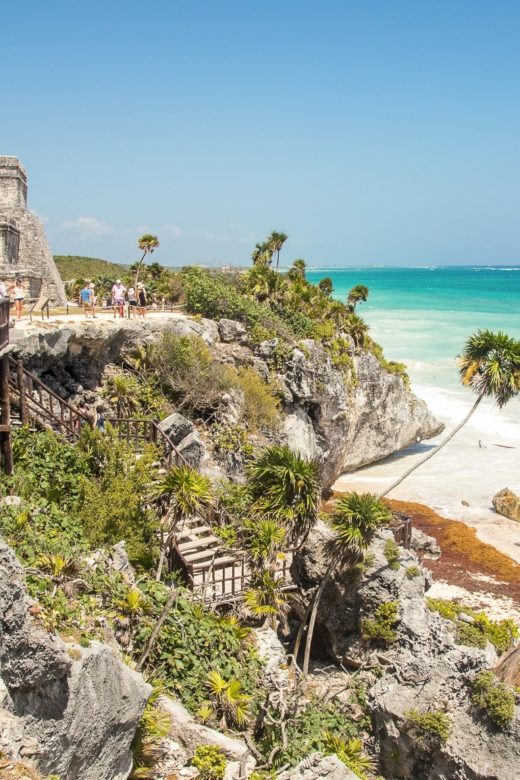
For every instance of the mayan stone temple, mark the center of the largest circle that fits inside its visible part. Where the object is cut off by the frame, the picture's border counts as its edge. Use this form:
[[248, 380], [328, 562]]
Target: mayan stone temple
[[24, 250]]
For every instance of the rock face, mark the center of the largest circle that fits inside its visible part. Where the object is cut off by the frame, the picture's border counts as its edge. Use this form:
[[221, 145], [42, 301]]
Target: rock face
[[24, 251], [317, 766], [508, 504], [231, 330], [73, 711], [342, 423], [423, 669], [343, 427]]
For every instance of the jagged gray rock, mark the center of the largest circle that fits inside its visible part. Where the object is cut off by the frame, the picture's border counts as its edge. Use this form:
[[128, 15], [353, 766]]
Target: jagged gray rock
[[72, 710], [423, 543], [192, 449], [424, 668], [176, 427], [317, 766], [231, 330]]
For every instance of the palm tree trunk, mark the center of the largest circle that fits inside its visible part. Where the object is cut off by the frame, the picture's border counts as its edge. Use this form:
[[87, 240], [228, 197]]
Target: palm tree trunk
[[138, 269], [435, 449], [301, 629], [155, 633], [162, 556], [312, 621]]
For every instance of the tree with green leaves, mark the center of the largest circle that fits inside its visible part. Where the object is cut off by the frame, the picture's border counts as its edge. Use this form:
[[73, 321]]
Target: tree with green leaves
[[490, 366], [146, 243], [186, 493], [285, 486], [355, 520], [356, 295], [326, 286], [262, 254]]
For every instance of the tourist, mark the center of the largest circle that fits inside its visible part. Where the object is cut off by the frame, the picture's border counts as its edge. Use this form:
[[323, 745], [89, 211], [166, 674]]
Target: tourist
[[3, 289], [141, 294], [94, 298], [132, 300], [118, 298], [19, 296], [85, 298], [99, 418]]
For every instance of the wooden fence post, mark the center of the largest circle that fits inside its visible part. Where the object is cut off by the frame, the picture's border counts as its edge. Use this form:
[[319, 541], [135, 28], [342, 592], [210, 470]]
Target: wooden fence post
[[24, 411], [6, 450]]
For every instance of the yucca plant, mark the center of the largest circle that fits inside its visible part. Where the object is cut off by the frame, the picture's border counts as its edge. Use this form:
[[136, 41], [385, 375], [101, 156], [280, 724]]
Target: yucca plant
[[188, 493], [266, 599], [286, 487], [490, 366], [264, 541], [121, 389], [350, 752], [153, 727], [355, 519], [229, 699]]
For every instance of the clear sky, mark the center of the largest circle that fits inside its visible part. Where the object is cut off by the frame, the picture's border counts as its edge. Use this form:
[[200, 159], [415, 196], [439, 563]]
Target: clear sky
[[371, 132]]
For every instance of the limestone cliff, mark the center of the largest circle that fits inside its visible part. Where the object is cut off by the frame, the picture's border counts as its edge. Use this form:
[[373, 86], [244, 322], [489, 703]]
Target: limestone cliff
[[343, 424]]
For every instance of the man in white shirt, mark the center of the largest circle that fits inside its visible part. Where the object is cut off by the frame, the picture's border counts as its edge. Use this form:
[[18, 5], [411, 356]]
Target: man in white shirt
[[118, 298]]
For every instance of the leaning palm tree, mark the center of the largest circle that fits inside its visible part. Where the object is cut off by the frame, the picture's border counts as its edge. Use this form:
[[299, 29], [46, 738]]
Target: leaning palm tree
[[147, 243], [326, 286], [187, 493], [356, 295], [285, 486], [355, 520], [490, 366]]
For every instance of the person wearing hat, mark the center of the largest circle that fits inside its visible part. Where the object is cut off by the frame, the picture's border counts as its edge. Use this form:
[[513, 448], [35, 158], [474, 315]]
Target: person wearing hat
[[118, 298]]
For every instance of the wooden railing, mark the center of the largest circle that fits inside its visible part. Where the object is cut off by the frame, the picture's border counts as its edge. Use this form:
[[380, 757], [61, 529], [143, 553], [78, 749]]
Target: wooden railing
[[5, 305], [41, 404], [138, 432]]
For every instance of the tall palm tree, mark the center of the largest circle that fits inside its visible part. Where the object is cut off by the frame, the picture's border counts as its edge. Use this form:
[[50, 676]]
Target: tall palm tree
[[147, 243], [276, 240], [285, 486], [356, 295], [262, 254], [490, 366], [357, 328], [188, 493], [355, 520]]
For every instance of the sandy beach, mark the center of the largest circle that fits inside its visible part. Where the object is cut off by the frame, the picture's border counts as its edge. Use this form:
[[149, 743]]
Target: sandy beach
[[460, 481]]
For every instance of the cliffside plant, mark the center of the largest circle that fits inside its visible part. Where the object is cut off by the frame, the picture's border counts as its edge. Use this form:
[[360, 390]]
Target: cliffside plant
[[413, 571], [392, 554], [356, 295], [153, 727], [490, 366], [210, 760], [502, 633], [285, 486], [355, 520], [380, 628], [266, 598], [230, 701], [494, 698], [430, 729], [261, 406], [350, 752]]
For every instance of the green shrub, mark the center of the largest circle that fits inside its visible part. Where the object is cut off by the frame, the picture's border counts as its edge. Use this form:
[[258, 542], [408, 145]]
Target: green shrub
[[494, 698], [430, 729], [392, 554], [380, 628], [501, 634], [413, 571], [210, 760], [261, 406]]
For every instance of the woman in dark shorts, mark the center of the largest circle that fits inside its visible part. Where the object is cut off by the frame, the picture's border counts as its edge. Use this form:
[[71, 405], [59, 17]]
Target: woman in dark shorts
[[141, 297]]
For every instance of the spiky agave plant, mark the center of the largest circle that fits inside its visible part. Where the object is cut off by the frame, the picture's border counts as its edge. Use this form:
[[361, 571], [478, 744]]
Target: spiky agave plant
[[267, 599], [229, 699], [154, 725], [350, 752], [264, 540]]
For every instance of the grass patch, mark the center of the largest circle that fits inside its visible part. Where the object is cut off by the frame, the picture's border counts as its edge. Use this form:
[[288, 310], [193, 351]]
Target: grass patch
[[501, 634], [380, 628], [430, 729], [494, 698]]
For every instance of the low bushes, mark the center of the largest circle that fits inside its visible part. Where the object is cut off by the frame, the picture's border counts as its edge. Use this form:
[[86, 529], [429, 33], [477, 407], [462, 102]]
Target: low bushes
[[430, 729], [480, 630], [494, 698], [380, 628]]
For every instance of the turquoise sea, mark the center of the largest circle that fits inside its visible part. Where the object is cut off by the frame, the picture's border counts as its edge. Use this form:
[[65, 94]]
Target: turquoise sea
[[422, 316]]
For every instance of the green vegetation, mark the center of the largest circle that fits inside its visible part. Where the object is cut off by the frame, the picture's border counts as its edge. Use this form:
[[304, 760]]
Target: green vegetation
[[413, 571], [430, 729], [210, 760], [380, 628], [494, 698], [481, 630], [78, 267], [392, 554], [153, 727], [350, 752]]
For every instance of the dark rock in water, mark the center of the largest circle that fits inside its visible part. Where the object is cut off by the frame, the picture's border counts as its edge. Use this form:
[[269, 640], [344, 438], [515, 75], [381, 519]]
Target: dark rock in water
[[507, 503]]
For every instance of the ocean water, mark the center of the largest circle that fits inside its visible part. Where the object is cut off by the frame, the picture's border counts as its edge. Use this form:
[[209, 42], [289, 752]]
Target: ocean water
[[422, 316]]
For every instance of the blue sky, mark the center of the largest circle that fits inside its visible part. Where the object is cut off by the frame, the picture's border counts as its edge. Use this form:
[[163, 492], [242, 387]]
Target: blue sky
[[370, 132]]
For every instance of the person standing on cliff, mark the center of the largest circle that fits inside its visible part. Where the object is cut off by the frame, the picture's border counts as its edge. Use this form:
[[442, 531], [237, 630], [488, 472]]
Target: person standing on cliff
[[118, 298], [141, 294], [19, 296]]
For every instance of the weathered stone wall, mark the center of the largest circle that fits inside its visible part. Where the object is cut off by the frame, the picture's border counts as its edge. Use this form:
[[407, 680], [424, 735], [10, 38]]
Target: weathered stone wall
[[24, 250]]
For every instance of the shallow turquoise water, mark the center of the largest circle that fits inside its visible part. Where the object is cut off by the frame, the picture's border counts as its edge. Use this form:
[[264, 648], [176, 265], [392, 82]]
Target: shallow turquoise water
[[422, 316]]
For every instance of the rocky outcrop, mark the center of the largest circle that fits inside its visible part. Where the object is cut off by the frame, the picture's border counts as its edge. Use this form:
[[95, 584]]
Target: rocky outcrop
[[317, 766], [231, 330], [507, 503], [349, 423], [342, 420], [422, 669], [71, 710]]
